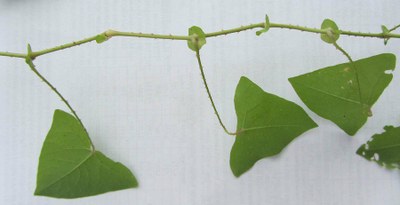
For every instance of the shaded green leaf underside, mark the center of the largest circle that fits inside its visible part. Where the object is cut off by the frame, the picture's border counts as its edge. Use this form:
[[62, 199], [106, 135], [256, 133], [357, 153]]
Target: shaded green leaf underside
[[70, 168], [266, 124], [383, 148], [334, 93], [201, 37], [334, 29]]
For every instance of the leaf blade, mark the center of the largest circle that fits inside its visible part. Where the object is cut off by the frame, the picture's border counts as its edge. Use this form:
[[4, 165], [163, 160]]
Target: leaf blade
[[67, 152], [266, 125], [332, 92], [383, 148]]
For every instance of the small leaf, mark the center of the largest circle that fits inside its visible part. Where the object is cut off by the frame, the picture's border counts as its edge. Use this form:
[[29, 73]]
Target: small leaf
[[385, 31], [266, 124], [69, 167], [383, 148], [101, 38], [200, 38], [28, 58], [266, 26], [332, 29], [334, 92], [29, 49]]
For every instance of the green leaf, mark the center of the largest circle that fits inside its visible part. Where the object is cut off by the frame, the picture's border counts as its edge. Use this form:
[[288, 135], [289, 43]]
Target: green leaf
[[383, 148], [385, 31], [101, 38], [266, 26], [199, 38], [28, 58], [334, 93], [69, 167], [266, 124], [332, 29]]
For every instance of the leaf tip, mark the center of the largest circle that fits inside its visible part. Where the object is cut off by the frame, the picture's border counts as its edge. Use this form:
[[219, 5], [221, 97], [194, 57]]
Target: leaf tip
[[360, 150], [350, 132], [236, 171], [36, 192], [243, 78], [59, 112]]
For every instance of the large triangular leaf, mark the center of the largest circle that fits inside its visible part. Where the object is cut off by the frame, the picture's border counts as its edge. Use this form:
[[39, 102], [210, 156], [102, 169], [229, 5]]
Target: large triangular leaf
[[336, 94], [383, 148], [266, 124], [69, 167]]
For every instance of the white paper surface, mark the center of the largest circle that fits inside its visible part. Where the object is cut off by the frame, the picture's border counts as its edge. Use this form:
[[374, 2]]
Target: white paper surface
[[144, 103]]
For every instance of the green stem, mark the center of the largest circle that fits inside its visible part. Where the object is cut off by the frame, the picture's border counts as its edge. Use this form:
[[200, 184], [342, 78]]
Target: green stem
[[209, 94], [235, 30], [33, 68], [394, 28], [62, 47], [14, 55], [111, 33], [343, 51]]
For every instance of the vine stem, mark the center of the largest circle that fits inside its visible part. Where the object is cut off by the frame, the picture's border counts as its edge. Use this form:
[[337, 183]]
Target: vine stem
[[112, 33], [209, 94], [32, 66], [394, 28]]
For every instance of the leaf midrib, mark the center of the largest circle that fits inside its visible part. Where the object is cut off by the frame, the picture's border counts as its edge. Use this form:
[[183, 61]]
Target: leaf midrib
[[383, 148], [330, 94], [243, 130], [68, 173]]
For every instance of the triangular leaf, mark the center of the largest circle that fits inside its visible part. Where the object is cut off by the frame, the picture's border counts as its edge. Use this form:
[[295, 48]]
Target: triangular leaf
[[200, 37], [332, 29], [383, 148], [266, 124], [69, 167], [334, 92]]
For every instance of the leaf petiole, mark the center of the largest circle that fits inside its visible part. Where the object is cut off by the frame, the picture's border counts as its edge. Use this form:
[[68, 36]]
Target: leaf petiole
[[32, 66]]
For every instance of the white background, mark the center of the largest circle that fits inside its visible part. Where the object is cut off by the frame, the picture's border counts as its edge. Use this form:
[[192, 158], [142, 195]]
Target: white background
[[144, 103]]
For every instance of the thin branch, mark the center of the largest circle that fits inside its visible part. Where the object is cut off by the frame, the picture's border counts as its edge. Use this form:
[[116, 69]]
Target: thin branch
[[112, 33], [343, 51], [33, 68], [14, 55], [209, 94], [394, 28]]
